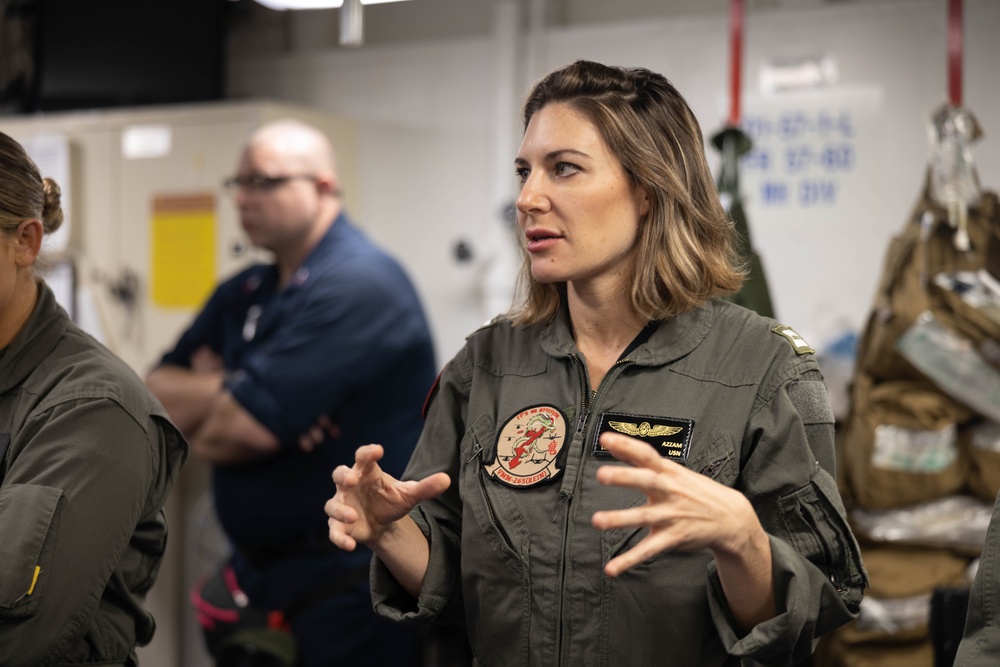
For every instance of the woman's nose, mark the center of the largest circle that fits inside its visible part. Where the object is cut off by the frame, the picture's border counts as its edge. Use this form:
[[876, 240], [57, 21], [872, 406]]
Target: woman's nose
[[533, 196]]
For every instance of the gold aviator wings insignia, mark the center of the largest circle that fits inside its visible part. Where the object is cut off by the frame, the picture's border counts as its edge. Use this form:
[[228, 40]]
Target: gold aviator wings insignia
[[644, 429]]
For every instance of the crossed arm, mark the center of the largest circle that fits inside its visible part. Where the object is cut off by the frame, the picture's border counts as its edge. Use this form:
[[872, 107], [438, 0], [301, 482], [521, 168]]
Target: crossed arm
[[219, 429]]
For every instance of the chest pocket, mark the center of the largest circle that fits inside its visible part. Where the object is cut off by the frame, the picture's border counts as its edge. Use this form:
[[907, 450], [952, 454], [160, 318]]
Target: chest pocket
[[28, 519], [496, 513], [718, 461]]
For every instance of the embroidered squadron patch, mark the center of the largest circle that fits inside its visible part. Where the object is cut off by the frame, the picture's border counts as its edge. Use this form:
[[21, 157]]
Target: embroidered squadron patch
[[798, 343], [527, 447], [670, 436]]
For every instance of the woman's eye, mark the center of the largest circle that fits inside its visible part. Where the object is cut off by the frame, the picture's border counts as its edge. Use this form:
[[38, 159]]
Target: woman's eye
[[522, 174], [565, 169]]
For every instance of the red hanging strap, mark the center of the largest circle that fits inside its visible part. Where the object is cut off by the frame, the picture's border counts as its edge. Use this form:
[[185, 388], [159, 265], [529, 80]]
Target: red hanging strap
[[735, 59], [955, 52]]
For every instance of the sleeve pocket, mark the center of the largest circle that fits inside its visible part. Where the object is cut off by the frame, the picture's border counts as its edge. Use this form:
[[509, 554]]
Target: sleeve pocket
[[28, 519], [814, 520]]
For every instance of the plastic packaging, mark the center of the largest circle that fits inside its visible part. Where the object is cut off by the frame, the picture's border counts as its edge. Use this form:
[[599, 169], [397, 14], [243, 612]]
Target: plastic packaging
[[914, 450], [986, 436], [894, 616], [956, 521], [953, 364]]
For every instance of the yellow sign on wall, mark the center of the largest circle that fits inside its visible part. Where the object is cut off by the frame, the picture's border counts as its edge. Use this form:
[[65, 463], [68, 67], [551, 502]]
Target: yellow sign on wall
[[183, 250]]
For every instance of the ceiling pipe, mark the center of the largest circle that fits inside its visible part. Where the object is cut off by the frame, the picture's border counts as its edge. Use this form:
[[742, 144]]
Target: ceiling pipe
[[498, 250], [536, 47], [955, 52], [352, 24], [736, 15]]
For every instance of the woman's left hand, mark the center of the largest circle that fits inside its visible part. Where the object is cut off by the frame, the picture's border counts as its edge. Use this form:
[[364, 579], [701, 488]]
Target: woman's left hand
[[685, 509]]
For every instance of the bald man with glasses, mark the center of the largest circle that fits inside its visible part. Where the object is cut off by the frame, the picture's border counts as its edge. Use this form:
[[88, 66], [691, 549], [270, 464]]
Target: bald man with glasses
[[288, 368]]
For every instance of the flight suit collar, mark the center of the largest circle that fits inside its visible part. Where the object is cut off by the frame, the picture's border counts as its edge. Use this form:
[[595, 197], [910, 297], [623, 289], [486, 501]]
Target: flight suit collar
[[674, 337], [37, 338]]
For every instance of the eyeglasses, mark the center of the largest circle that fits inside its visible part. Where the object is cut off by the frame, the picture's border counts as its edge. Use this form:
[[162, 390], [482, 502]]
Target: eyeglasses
[[261, 183]]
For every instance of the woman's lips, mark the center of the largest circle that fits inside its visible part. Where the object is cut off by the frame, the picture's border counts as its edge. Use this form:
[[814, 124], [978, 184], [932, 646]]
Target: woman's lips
[[539, 240]]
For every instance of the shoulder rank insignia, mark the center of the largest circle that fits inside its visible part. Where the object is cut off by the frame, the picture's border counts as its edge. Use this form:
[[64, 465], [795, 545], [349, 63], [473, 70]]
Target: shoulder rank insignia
[[798, 343], [528, 446]]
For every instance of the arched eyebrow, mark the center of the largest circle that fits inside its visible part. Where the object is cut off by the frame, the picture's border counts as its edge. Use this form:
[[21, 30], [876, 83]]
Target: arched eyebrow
[[552, 155]]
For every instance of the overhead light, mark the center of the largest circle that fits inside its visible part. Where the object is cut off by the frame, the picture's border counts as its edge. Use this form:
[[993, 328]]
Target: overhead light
[[786, 74], [282, 5]]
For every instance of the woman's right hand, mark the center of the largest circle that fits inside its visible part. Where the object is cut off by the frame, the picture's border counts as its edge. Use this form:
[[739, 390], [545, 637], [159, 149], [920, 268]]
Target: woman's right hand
[[369, 502]]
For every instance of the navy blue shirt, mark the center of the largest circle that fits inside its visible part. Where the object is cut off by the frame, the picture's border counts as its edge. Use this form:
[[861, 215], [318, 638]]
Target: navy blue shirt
[[346, 338]]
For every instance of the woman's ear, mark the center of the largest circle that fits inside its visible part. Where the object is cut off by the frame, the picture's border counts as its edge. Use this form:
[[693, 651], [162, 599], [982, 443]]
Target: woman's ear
[[28, 242]]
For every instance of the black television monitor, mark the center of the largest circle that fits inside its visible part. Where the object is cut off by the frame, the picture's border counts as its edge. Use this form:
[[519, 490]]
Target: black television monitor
[[111, 53]]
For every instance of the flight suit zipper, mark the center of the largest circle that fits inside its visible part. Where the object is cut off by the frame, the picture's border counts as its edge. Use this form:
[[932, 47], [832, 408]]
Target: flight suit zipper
[[586, 406], [581, 422], [567, 498]]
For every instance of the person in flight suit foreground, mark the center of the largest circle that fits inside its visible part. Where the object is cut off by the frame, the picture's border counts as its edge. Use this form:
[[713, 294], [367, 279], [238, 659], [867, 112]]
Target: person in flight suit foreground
[[87, 459], [623, 469]]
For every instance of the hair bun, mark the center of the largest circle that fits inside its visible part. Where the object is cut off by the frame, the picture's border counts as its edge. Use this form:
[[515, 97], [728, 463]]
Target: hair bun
[[52, 213]]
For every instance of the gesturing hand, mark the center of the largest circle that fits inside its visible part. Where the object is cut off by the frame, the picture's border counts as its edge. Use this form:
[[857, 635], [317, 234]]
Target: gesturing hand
[[685, 510], [369, 501]]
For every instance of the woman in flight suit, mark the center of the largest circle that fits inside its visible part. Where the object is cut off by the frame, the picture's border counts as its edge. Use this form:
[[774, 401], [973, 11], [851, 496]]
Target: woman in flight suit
[[87, 457], [624, 469]]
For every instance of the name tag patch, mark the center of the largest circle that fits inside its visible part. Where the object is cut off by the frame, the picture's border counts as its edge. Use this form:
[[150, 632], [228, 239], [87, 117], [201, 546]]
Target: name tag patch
[[670, 436], [528, 445]]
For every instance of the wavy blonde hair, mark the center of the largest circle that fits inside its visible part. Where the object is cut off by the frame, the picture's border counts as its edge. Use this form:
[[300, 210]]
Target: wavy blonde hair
[[686, 252]]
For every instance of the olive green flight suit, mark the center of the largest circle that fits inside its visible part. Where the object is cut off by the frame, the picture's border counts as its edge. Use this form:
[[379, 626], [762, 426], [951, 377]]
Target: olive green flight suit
[[89, 459], [517, 560]]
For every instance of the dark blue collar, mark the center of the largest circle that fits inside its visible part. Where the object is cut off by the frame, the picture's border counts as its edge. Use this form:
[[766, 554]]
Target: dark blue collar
[[329, 245]]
